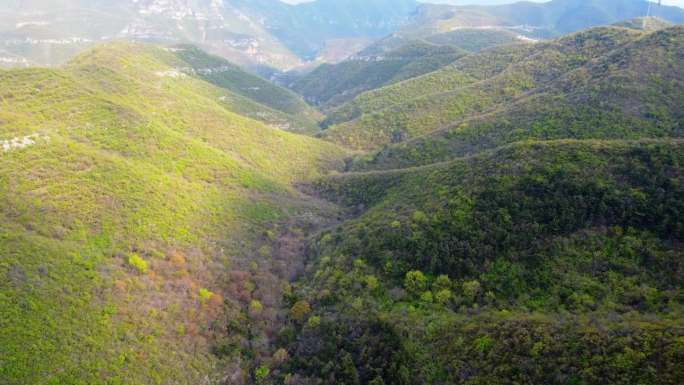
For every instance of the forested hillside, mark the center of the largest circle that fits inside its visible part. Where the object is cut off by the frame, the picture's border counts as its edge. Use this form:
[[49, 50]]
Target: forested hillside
[[591, 84], [524, 229], [134, 195], [401, 56], [459, 202], [538, 262], [331, 85]]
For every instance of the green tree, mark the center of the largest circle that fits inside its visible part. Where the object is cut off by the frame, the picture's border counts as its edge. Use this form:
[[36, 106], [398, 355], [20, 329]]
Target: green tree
[[415, 282], [348, 373], [442, 283], [255, 307], [314, 321], [261, 373], [443, 296], [205, 295], [371, 282], [471, 290], [138, 263], [300, 310]]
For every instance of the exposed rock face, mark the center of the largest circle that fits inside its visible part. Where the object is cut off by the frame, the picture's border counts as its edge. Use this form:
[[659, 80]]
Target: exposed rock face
[[22, 142]]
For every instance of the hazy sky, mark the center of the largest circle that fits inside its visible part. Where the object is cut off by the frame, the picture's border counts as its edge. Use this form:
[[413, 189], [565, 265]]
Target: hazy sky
[[669, 2]]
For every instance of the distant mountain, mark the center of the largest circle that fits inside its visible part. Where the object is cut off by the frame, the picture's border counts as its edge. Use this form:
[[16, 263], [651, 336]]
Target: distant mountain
[[406, 54], [272, 36], [49, 32], [306, 27], [253, 33], [539, 20], [331, 85], [393, 59]]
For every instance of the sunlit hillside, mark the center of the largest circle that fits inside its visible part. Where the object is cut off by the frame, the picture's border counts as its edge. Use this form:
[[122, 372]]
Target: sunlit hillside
[[341, 192], [130, 192]]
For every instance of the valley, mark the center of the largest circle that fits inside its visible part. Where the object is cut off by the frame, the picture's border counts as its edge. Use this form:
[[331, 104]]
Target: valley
[[341, 192]]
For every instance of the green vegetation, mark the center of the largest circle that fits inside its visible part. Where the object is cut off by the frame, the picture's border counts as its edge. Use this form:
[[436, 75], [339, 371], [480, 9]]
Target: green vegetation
[[512, 74], [205, 295], [518, 219], [141, 265], [489, 216], [524, 229], [532, 262], [134, 190], [521, 213], [475, 40], [388, 62], [331, 85], [640, 98], [284, 108]]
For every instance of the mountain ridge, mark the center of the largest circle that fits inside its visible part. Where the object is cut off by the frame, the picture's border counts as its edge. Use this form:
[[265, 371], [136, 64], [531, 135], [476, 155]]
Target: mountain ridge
[[482, 207], [530, 109]]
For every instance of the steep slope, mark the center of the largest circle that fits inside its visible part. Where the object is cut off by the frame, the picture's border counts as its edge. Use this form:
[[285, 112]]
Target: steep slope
[[538, 262], [465, 71], [624, 94], [431, 108], [332, 85], [537, 240], [284, 108], [393, 59], [133, 200]]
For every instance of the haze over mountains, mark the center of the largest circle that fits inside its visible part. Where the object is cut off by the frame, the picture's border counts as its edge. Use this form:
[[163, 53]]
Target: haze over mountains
[[271, 35], [263, 32], [431, 195]]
